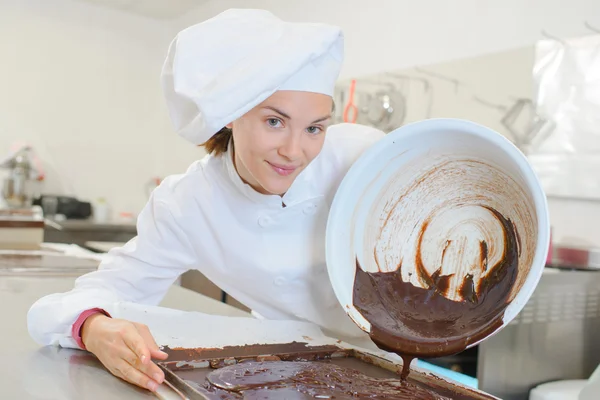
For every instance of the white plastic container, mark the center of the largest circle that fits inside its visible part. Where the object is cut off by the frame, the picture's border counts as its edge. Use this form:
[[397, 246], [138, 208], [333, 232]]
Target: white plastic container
[[101, 211]]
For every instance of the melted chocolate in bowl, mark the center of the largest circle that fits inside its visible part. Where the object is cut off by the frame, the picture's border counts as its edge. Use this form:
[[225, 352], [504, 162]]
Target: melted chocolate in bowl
[[449, 250]]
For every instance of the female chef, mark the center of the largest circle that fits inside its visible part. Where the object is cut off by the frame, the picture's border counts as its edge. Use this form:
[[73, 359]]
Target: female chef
[[257, 93]]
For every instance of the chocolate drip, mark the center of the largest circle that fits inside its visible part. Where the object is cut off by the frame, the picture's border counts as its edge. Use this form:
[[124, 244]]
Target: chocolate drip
[[484, 254], [467, 289], [406, 361]]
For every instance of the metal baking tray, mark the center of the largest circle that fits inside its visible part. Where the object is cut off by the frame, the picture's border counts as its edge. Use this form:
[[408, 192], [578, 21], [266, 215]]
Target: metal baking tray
[[182, 362]]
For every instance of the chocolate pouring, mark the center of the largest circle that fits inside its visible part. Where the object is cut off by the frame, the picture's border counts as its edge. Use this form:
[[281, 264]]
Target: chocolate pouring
[[436, 298], [436, 238], [418, 321]]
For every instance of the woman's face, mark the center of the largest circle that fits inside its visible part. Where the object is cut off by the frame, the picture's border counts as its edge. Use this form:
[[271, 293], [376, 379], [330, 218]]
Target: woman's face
[[277, 139]]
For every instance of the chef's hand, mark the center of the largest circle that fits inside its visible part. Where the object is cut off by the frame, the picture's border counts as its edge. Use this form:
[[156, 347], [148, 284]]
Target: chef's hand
[[125, 348]]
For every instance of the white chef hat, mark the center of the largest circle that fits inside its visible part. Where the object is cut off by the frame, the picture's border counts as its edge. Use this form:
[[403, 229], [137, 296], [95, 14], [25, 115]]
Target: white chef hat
[[218, 70]]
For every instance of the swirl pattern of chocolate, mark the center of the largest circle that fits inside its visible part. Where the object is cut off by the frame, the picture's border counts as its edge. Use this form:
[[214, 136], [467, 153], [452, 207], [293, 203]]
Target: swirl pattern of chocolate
[[446, 257], [307, 380]]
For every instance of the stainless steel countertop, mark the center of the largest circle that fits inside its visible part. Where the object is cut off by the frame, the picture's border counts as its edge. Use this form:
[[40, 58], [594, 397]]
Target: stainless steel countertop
[[91, 225], [28, 371]]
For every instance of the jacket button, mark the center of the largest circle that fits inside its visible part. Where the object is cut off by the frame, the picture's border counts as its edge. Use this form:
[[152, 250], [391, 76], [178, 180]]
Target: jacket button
[[310, 209], [279, 281], [264, 221]]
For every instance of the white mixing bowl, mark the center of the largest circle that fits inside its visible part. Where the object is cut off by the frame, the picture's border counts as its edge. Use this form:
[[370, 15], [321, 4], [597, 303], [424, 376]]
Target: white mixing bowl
[[425, 190]]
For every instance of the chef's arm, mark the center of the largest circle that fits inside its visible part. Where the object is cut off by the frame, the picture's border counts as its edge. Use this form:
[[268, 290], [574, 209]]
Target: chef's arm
[[140, 272]]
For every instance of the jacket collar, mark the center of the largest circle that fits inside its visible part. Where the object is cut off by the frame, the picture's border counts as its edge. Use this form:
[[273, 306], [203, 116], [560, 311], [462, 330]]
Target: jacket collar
[[303, 188]]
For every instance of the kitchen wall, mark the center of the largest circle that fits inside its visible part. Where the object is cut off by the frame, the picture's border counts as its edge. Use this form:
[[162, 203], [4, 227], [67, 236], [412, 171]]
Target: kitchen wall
[[386, 35], [457, 88], [498, 79], [81, 84], [486, 45]]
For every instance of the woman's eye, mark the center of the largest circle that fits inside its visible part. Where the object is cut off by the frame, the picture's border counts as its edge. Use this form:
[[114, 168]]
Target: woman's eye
[[313, 130], [274, 122]]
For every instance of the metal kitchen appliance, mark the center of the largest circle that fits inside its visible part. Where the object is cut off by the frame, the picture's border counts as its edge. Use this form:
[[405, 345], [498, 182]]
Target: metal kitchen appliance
[[554, 338], [383, 107], [377, 103], [17, 189], [527, 128]]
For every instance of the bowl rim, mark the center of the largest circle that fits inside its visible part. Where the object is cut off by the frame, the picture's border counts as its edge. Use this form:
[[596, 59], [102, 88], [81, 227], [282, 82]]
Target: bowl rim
[[531, 182]]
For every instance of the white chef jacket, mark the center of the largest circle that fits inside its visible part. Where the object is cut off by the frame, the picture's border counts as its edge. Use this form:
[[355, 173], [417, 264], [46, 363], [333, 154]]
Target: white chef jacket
[[269, 257]]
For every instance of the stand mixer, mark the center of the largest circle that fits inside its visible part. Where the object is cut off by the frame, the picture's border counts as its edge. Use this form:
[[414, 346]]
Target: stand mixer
[[17, 188]]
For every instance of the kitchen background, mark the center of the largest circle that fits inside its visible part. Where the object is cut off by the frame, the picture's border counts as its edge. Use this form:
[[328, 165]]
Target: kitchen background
[[79, 79], [79, 83]]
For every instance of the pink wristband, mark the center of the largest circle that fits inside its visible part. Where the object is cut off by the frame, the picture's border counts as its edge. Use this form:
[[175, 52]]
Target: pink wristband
[[76, 328]]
